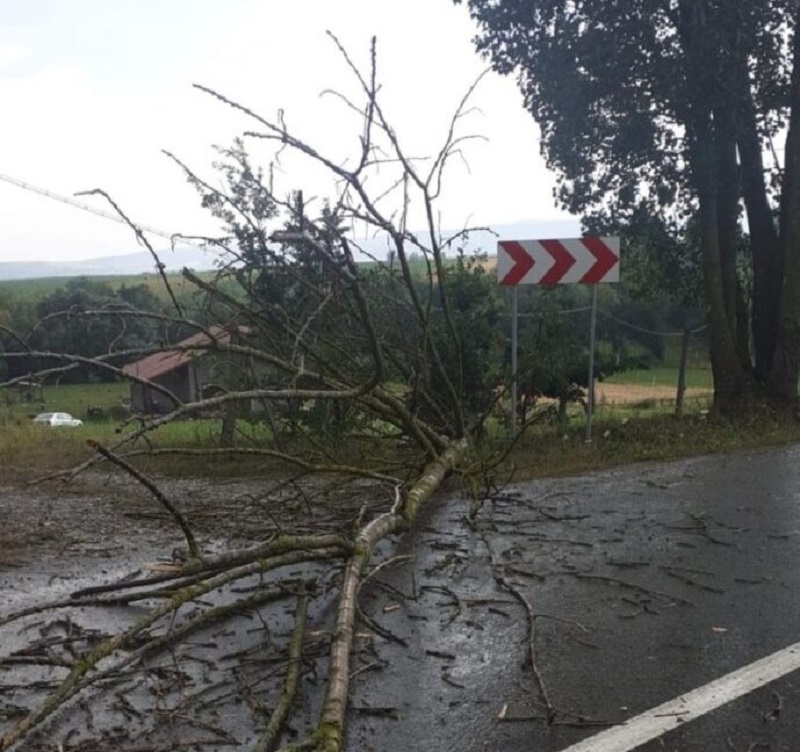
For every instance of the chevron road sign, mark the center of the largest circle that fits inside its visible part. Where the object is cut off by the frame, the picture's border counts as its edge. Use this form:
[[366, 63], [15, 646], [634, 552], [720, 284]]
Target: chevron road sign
[[586, 260]]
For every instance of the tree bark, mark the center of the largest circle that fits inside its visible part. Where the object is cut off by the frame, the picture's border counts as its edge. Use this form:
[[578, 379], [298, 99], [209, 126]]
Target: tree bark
[[331, 729], [766, 252], [708, 133], [782, 384], [228, 434], [732, 386], [728, 226]]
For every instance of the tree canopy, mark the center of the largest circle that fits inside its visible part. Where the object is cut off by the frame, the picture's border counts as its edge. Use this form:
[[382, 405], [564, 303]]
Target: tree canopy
[[672, 108]]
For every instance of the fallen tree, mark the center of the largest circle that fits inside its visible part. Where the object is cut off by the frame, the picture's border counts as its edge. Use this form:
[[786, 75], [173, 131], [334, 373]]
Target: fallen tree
[[349, 378]]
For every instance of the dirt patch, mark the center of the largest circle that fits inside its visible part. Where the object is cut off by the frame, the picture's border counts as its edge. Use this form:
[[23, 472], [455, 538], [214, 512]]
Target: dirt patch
[[100, 515], [619, 394]]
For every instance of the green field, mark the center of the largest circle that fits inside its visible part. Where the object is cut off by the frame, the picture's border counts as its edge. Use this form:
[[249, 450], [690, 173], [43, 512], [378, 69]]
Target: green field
[[34, 289], [625, 433], [67, 398], [76, 398]]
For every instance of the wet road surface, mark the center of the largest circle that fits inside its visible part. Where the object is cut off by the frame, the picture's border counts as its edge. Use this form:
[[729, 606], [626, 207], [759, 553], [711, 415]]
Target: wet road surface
[[646, 583]]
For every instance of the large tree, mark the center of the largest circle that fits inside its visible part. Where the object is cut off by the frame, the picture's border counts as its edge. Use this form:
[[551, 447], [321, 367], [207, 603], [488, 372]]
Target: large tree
[[669, 107], [307, 325]]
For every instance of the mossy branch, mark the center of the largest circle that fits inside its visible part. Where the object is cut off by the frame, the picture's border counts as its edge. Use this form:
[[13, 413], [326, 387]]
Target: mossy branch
[[329, 735], [278, 718], [76, 680]]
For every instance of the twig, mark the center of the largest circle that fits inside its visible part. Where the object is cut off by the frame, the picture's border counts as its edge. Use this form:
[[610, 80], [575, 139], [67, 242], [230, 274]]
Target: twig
[[77, 678], [191, 543], [530, 619], [384, 564], [689, 581], [532, 655], [629, 586]]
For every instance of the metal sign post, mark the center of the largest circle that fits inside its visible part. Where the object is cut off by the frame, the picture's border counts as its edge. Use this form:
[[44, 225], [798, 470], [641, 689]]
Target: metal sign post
[[514, 374], [587, 260], [592, 335]]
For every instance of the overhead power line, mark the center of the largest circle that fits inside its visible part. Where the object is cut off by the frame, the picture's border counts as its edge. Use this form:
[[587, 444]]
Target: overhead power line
[[69, 200], [608, 315]]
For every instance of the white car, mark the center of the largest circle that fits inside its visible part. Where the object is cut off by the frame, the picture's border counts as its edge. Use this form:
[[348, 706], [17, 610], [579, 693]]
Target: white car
[[57, 419]]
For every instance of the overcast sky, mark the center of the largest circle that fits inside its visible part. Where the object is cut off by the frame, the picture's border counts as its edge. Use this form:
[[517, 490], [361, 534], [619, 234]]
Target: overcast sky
[[93, 90]]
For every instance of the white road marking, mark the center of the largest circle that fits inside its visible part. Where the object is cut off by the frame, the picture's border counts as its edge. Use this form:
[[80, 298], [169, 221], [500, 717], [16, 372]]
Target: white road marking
[[680, 711]]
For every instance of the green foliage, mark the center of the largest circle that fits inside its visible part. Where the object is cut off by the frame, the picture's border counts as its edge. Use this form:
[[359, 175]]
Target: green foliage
[[16, 314], [645, 437], [79, 319], [554, 342], [84, 317], [657, 117], [662, 260], [621, 436], [611, 84], [245, 204], [474, 365], [20, 291]]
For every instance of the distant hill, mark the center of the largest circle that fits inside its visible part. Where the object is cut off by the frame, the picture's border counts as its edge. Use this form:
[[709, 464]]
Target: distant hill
[[485, 241], [199, 259], [129, 264]]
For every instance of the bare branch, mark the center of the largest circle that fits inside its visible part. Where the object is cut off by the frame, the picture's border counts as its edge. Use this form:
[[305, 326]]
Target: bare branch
[[160, 266], [194, 552]]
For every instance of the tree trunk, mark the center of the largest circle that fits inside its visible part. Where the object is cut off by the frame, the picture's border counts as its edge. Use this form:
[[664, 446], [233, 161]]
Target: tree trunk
[[782, 383], [334, 708], [732, 383], [728, 224], [682, 373], [712, 157], [228, 434], [766, 252]]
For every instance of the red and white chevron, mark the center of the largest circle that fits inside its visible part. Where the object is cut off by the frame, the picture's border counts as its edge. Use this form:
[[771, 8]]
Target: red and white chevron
[[586, 260]]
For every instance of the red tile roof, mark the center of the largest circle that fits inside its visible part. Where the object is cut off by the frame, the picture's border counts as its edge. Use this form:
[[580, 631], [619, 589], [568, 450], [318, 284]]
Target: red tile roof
[[157, 364]]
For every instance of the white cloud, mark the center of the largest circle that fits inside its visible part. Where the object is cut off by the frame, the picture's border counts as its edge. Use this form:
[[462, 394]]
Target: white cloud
[[66, 133], [12, 52]]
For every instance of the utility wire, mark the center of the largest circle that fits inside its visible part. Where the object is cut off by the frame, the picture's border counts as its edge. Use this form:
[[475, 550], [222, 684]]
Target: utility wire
[[563, 312], [648, 331], [89, 208], [612, 317]]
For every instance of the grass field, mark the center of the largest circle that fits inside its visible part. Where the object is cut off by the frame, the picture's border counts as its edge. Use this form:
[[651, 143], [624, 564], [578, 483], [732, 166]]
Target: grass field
[[68, 398], [35, 289], [634, 421], [622, 390]]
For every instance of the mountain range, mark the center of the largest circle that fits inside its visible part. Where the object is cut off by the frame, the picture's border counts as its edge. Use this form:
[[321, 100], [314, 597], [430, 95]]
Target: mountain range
[[484, 240]]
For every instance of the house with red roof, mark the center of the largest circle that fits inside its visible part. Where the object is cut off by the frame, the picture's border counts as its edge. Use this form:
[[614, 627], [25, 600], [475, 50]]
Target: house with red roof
[[190, 370]]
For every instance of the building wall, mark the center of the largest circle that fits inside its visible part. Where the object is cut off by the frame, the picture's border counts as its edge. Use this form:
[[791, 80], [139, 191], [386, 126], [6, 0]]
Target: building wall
[[186, 382], [181, 382]]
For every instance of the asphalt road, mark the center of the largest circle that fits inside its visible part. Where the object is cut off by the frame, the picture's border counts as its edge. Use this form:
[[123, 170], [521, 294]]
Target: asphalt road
[[646, 583]]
